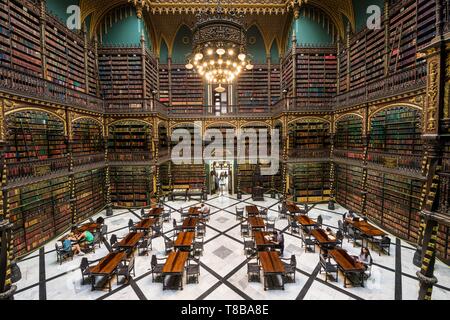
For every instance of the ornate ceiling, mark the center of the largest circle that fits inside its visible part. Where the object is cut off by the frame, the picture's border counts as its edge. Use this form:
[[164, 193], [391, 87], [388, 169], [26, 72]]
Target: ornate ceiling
[[182, 12]]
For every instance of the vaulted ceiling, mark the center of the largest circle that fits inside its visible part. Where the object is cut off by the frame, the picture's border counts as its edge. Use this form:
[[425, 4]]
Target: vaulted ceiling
[[271, 16]]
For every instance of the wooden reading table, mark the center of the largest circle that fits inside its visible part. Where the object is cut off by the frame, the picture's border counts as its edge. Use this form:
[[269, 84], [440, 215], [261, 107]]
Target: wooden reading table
[[293, 209], [252, 210], [184, 241], [130, 241], [194, 211], [324, 240], [256, 223], [261, 241], [155, 212], [91, 227], [367, 230], [145, 225], [189, 224], [106, 268], [173, 269], [348, 265], [273, 269]]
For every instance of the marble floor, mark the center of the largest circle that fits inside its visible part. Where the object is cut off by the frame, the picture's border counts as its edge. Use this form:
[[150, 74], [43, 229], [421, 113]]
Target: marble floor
[[223, 265]]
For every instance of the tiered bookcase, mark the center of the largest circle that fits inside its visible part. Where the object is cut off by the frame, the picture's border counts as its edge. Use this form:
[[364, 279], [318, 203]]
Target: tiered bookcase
[[65, 58], [393, 202], [164, 83], [287, 75], [310, 182], [348, 137], [309, 138], [121, 73], [39, 212], [87, 138], [131, 186], [349, 186], [35, 144], [316, 75], [90, 193], [24, 34], [275, 84], [395, 138], [192, 175], [187, 87], [129, 141], [343, 69], [252, 87]]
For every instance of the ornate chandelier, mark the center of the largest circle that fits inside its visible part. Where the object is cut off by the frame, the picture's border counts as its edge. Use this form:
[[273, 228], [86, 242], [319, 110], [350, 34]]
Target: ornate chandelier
[[219, 43]]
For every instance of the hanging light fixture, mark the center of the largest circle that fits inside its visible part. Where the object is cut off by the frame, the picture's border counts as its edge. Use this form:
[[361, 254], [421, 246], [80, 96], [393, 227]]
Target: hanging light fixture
[[218, 53]]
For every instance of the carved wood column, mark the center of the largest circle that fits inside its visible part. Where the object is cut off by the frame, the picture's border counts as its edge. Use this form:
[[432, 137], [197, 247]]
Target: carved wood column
[[435, 54], [144, 69], [86, 58], [43, 47], [387, 36], [7, 289]]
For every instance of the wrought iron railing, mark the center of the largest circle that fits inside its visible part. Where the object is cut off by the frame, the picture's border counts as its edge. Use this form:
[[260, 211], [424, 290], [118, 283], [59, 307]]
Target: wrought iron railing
[[397, 83], [29, 85]]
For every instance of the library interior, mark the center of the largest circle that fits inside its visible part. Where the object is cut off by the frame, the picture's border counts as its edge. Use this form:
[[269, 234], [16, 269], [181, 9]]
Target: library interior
[[136, 138]]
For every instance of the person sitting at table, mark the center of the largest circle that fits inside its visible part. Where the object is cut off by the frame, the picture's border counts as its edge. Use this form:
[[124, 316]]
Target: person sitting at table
[[100, 220], [365, 257], [87, 237], [329, 232], [68, 245], [279, 240], [349, 215], [204, 209]]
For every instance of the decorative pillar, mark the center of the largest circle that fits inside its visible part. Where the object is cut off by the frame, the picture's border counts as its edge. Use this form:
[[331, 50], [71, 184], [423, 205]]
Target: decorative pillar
[[269, 79], [43, 37], [331, 205], [86, 58], [435, 54], [7, 289], [169, 74], [387, 35], [294, 65], [97, 77], [347, 44], [109, 211], [144, 69]]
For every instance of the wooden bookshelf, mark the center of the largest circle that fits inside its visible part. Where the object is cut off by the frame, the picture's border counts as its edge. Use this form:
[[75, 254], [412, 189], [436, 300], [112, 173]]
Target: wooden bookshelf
[[129, 141], [395, 138], [288, 75], [187, 88], [316, 75], [24, 34], [349, 186], [131, 186], [121, 73], [275, 84], [348, 137], [87, 138], [36, 144], [252, 87], [151, 74], [39, 212], [309, 182], [343, 69], [309, 138], [393, 201], [90, 193], [164, 83], [193, 175]]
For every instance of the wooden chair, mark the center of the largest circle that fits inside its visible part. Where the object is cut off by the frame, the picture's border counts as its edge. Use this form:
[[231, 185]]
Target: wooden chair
[[253, 271], [328, 267], [62, 255], [126, 269], [156, 268], [192, 271]]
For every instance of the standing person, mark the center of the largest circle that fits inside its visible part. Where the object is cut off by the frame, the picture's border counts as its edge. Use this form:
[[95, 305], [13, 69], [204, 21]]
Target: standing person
[[216, 181], [222, 185]]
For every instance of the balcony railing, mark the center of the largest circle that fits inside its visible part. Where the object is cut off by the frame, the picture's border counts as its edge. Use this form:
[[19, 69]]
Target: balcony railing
[[33, 86], [130, 156], [309, 154], [29, 85], [400, 82]]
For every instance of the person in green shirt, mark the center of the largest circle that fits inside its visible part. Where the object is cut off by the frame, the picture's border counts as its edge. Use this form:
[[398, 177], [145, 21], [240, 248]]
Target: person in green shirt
[[86, 236]]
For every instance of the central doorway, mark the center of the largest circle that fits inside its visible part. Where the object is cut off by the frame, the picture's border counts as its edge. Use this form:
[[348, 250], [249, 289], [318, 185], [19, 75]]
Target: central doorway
[[221, 178]]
